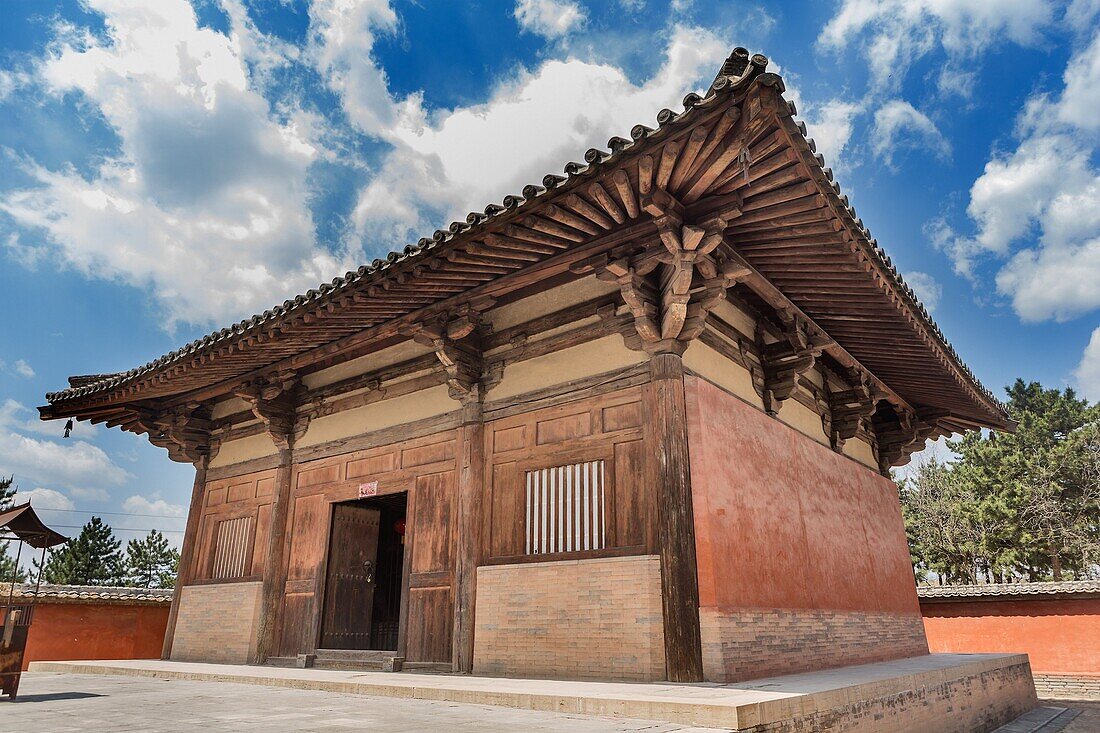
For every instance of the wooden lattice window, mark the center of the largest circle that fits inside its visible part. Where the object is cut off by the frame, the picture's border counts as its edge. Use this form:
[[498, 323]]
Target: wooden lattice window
[[231, 548], [566, 508]]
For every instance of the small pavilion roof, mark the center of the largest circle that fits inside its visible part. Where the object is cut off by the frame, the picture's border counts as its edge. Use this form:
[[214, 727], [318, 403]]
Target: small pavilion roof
[[22, 523], [796, 229]]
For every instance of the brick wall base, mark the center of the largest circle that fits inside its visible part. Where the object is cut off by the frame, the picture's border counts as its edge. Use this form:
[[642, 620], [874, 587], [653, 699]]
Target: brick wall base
[[217, 623], [1068, 686], [979, 698], [576, 619], [753, 643]]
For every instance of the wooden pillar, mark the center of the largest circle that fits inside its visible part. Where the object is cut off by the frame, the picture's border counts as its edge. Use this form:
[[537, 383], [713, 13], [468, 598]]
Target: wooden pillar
[[675, 524], [274, 579], [468, 536], [187, 552]]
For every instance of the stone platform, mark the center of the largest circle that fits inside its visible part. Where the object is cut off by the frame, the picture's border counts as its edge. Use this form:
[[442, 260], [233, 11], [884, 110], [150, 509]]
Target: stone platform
[[941, 693]]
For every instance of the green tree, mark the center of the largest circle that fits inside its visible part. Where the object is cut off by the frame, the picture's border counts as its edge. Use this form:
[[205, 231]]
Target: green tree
[[8, 571], [1013, 505], [151, 562], [94, 557]]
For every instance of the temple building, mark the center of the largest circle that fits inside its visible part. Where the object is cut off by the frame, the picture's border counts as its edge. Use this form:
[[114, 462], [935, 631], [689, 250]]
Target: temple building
[[635, 423]]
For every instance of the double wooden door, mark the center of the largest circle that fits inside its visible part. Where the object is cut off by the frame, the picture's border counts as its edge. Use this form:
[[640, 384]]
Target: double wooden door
[[352, 577]]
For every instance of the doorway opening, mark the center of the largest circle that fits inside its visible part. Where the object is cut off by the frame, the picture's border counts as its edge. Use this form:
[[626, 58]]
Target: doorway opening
[[363, 586]]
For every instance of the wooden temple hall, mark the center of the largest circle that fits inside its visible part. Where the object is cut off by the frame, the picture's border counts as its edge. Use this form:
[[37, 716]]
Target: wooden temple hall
[[633, 423]]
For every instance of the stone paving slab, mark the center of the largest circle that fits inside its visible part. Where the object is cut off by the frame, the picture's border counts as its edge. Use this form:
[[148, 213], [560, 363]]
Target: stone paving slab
[[729, 706], [66, 703]]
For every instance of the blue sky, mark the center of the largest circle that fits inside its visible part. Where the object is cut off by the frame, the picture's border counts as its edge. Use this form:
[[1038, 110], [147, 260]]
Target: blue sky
[[168, 168]]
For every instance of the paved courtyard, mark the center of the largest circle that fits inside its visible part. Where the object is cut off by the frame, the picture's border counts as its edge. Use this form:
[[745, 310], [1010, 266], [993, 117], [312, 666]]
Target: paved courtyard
[[59, 703]]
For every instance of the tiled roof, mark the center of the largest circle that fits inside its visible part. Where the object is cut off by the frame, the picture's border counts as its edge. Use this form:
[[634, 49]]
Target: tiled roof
[[89, 594], [736, 73], [991, 590]]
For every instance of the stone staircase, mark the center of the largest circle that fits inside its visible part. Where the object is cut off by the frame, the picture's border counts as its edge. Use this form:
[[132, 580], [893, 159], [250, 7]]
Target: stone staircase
[[358, 660]]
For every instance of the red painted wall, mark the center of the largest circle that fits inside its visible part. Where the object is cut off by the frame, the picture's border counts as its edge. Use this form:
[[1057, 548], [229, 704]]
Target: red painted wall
[[1059, 636], [782, 521], [62, 631]]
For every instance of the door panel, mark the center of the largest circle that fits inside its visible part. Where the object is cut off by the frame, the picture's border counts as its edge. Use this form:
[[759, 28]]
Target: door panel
[[431, 602], [351, 578]]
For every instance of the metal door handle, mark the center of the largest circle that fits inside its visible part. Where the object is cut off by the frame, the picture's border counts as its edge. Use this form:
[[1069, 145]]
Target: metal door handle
[[369, 566]]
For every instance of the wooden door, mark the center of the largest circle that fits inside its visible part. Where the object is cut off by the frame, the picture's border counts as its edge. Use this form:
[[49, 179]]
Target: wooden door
[[351, 577]]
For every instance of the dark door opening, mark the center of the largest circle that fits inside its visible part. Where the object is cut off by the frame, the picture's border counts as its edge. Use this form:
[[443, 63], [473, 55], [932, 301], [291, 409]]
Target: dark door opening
[[363, 584]]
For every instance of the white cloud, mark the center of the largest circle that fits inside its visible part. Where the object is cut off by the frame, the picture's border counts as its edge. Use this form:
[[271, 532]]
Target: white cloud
[[17, 416], [68, 464], [139, 504], [156, 514], [900, 126], [90, 494], [928, 290], [7, 84], [1087, 374], [550, 18], [892, 34], [1045, 192], [22, 368], [466, 157], [205, 173], [44, 499], [342, 35], [830, 125], [1082, 14]]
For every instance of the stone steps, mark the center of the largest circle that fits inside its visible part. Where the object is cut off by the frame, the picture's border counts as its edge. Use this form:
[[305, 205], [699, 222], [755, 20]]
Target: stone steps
[[352, 660]]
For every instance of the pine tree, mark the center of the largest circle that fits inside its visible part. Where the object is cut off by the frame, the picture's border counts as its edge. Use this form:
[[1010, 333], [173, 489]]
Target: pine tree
[[8, 571], [1013, 505], [151, 563], [94, 557]]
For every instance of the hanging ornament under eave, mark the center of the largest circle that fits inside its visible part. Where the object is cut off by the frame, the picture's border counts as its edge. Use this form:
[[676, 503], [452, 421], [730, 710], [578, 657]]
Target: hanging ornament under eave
[[68, 427]]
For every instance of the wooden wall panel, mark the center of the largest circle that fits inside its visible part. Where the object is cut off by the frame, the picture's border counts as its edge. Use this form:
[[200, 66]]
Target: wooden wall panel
[[308, 533], [298, 619], [630, 511], [263, 530], [248, 495], [431, 577], [429, 633], [432, 524], [605, 428], [506, 503]]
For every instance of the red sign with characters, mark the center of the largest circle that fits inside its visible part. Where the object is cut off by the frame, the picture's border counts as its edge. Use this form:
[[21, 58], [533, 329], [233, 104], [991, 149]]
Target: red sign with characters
[[368, 489]]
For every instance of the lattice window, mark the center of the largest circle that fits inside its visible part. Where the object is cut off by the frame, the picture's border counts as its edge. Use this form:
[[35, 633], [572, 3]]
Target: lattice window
[[566, 508], [231, 548]]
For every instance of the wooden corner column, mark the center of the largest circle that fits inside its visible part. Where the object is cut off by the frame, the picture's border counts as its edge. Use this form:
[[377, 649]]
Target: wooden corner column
[[470, 478], [675, 523], [274, 571], [187, 552]]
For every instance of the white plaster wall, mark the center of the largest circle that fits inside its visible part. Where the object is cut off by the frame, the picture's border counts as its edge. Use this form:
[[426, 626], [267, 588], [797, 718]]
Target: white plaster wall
[[244, 449], [406, 408], [577, 362]]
